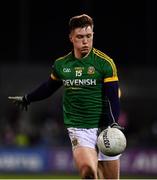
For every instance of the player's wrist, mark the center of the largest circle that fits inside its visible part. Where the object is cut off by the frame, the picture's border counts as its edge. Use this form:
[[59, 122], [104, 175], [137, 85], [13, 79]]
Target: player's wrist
[[25, 99]]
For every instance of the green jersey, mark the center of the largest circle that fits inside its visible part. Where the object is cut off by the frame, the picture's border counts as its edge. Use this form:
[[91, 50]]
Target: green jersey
[[83, 80]]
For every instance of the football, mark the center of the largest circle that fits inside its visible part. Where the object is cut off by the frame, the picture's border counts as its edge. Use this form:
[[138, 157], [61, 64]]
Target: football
[[111, 141]]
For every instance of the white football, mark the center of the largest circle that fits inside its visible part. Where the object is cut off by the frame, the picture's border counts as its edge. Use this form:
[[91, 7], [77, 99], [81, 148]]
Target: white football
[[111, 141]]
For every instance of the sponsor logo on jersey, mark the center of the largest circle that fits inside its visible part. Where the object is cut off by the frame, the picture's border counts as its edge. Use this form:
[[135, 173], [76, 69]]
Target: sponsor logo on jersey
[[91, 70], [79, 68], [79, 82], [66, 70]]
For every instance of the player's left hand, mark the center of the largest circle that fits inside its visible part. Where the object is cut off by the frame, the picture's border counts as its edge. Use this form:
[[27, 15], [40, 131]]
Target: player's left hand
[[116, 125], [113, 125]]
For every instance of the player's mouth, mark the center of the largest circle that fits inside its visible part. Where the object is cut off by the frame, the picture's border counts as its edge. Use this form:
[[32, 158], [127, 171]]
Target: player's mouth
[[85, 49]]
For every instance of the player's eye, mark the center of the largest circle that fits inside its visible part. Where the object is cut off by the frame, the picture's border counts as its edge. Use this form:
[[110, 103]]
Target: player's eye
[[89, 35], [79, 36]]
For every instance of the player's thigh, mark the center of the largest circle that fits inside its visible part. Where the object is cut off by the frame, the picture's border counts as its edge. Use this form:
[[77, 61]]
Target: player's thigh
[[85, 157], [109, 169]]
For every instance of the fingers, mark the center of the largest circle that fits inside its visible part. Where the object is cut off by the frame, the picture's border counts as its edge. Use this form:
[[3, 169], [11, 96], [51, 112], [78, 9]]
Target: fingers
[[11, 97], [17, 98], [118, 127], [18, 101], [21, 105]]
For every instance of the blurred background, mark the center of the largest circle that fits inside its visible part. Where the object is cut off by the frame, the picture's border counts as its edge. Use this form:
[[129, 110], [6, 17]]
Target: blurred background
[[32, 35]]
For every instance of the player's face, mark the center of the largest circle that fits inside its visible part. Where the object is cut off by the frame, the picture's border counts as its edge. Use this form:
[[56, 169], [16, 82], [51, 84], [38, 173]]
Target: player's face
[[82, 40]]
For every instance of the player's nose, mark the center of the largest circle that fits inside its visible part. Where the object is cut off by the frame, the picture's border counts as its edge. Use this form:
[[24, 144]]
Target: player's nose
[[85, 40]]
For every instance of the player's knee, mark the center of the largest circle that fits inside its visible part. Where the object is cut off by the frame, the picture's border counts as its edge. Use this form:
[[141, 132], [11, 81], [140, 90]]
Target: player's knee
[[87, 172]]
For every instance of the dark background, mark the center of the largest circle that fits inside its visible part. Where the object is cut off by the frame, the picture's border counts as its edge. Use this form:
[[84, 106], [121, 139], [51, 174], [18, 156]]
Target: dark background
[[34, 33]]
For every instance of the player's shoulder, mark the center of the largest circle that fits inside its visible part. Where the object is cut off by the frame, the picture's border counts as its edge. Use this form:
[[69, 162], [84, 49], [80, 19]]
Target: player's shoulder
[[102, 55], [63, 58], [104, 61]]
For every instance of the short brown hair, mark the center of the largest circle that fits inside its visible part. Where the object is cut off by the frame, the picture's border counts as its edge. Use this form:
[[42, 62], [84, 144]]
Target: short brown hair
[[80, 21]]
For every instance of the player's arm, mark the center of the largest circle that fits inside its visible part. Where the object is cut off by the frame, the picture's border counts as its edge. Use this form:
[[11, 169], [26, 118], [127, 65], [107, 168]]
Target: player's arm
[[43, 91], [113, 102]]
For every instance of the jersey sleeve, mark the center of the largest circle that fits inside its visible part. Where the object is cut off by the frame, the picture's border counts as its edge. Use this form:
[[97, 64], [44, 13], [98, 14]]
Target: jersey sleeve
[[110, 71], [54, 74]]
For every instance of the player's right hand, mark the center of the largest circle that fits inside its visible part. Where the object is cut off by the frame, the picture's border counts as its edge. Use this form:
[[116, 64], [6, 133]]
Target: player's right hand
[[19, 101], [116, 125]]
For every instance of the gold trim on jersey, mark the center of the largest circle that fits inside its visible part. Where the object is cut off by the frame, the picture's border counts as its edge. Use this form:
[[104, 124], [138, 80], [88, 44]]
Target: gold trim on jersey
[[53, 77], [62, 57], [107, 58], [110, 79]]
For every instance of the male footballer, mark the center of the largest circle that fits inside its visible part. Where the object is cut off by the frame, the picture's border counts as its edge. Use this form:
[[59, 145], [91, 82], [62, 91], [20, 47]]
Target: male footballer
[[90, 101]]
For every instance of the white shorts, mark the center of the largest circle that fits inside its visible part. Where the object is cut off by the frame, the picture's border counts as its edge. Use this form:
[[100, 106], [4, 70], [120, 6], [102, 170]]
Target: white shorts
[[87, 138]]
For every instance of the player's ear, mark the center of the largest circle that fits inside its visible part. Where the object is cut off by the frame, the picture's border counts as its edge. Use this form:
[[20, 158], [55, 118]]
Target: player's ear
[[70, 37]]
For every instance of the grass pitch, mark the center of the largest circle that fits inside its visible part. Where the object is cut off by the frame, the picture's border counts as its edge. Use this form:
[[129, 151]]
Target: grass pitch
[[62, 176], [38, 176]]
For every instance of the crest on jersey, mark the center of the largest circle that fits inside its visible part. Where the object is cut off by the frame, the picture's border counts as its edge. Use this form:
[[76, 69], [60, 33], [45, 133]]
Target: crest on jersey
[[75, 142], [91, 70]]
